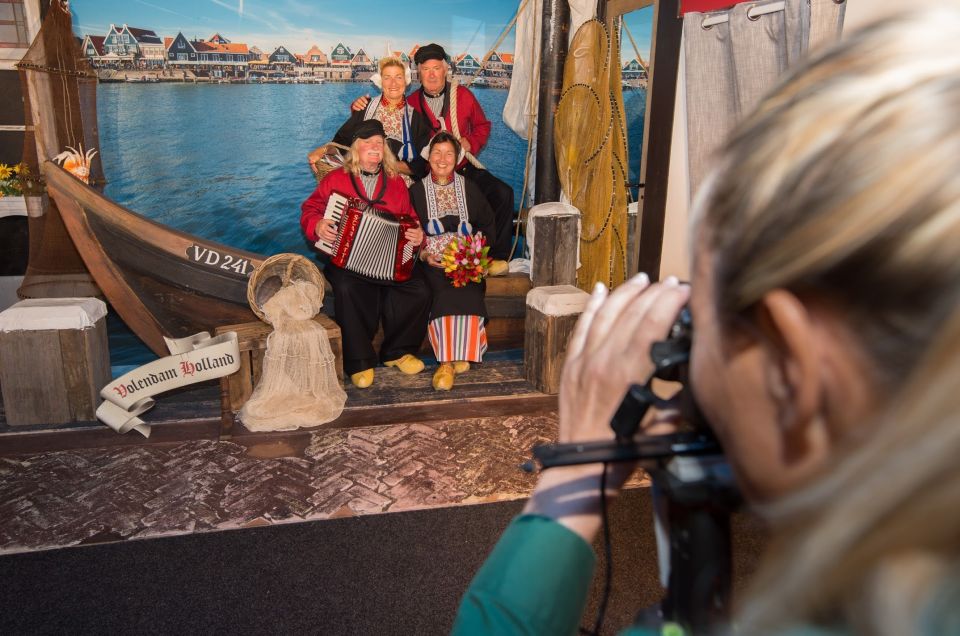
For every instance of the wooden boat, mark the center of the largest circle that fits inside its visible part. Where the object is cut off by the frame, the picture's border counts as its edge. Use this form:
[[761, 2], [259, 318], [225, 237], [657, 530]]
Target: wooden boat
[[161, 281], [164, 282]]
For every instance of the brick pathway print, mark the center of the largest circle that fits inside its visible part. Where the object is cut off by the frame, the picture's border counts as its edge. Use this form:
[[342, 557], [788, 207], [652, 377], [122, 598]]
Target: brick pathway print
[[85, 496]]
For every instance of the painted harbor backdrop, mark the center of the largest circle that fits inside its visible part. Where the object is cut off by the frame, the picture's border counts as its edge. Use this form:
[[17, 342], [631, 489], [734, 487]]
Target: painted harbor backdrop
[[228, 161]]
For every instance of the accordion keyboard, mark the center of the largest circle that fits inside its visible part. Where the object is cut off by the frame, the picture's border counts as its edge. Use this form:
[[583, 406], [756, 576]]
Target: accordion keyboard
[[336, 205]]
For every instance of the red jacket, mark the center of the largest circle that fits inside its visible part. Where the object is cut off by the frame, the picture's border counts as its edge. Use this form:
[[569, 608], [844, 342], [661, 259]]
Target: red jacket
[[395, 198], [474, 125]]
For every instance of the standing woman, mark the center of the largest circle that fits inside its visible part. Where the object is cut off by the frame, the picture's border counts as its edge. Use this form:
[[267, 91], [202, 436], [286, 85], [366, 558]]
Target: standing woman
[[448, 205], [362, 303], [407, 130]]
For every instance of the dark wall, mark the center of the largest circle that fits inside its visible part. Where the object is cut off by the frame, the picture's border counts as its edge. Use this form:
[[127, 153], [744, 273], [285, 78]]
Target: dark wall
[[11, 114], [14, 245], [13, 229]]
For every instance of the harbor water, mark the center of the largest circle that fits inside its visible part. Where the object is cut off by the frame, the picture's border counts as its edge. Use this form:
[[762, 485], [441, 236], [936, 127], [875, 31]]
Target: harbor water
[[228, 161]]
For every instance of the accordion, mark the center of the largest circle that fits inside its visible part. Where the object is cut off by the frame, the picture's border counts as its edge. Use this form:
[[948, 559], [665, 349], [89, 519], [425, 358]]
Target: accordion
[[369, 241]]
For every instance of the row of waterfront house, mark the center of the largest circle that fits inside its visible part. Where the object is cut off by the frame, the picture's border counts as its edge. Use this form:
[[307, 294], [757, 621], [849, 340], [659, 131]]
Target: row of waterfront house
[[130, 48]]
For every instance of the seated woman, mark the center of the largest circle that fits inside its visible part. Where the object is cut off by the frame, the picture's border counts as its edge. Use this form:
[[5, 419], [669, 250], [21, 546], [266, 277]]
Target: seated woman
[[826, 356], [362, 303], [449, 205], [407, 130]]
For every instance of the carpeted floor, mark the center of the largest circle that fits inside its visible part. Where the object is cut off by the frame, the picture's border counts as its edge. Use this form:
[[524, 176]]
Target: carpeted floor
[[400, 573]]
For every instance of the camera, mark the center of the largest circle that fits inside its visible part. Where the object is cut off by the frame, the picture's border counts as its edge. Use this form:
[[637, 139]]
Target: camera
[[670, 358], [693, 488]]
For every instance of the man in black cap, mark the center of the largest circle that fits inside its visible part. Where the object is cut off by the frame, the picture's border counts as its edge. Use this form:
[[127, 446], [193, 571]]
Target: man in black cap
[[439, 104], [370, 173]]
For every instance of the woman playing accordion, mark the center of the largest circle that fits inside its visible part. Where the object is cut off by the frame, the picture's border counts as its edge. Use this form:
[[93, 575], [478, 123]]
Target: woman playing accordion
[[449, 205], [362, 303]]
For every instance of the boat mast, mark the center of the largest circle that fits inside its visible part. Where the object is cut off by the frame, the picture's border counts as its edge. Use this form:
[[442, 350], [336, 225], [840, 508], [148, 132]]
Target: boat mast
[[555, 28]]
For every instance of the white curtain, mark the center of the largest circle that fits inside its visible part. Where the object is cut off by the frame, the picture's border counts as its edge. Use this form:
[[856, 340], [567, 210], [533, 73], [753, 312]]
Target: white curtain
[[733, 57], [520, 110]]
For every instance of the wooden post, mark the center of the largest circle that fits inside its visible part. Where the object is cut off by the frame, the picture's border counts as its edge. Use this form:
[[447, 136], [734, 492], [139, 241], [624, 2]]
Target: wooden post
[[633, 251], [553, 53], [53, 360], [552, 314], [556, 239], [658, 133]]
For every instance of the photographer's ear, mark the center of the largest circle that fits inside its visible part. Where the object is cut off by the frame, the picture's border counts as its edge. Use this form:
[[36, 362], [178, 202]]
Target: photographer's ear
[[793, 374]]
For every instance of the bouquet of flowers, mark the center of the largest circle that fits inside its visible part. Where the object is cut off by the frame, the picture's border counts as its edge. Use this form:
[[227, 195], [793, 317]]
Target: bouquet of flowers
[[10, 177], [465, 259]]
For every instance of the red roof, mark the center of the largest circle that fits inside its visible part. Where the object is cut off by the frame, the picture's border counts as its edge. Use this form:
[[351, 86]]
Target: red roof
[[213, 47], [507, 58], [167, 42], [148, 36], [235, 47], [97, 41]]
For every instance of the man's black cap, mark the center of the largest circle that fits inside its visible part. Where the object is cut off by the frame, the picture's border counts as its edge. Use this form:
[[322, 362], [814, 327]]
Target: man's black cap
[[429, 52], [368, 128]]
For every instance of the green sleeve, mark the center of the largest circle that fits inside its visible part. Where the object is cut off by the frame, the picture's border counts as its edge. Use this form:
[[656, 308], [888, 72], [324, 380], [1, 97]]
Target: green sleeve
[[534, 582]]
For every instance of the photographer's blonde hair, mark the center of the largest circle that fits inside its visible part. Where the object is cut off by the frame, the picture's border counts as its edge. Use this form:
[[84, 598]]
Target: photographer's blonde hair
[[351, 163], [845, 186]]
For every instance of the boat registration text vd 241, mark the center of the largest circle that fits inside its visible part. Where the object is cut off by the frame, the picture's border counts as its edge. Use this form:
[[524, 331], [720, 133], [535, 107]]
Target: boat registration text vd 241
[[219, 260]]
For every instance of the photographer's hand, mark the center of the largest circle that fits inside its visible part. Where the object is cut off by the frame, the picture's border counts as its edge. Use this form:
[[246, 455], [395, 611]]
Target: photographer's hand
[[609, 351]]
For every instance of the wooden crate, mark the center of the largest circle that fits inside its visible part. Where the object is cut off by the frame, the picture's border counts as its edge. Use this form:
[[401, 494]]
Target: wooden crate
[[235, 389], [54, 375]]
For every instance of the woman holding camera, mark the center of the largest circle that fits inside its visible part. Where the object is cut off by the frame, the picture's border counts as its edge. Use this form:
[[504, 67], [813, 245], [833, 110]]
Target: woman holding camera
[[826, 355]]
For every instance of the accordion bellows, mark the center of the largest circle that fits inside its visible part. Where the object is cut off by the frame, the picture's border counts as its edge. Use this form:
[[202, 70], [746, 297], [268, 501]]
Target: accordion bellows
[[369, 242]]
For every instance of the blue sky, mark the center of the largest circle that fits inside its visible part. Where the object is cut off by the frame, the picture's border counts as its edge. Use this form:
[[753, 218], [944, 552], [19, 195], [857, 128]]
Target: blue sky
[[459, 25]]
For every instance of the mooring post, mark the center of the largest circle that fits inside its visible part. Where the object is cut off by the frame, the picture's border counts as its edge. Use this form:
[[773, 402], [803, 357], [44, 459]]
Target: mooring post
[[555, 27]]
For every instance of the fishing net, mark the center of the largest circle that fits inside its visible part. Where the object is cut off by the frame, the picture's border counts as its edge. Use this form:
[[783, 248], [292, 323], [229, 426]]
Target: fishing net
[[299, 385], [591, 146], [60, 104]]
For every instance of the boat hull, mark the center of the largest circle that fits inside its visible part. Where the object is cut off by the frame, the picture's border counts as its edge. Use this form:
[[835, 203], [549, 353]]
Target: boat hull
[[162, 282]]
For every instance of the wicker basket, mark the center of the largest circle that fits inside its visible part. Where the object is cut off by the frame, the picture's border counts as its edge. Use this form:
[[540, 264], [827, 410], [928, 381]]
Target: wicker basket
[[322, 168], [276, 272]]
